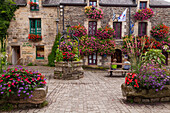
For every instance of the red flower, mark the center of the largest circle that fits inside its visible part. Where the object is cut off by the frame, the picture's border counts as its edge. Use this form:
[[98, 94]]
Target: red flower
[[9, 90], [38, 78], [9, 85]]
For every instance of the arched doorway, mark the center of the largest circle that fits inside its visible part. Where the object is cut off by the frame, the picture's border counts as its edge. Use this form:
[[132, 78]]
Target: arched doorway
[[118, 56]]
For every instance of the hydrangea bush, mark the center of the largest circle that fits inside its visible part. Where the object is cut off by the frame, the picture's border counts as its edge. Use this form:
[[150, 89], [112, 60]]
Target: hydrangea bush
[[144, 14], [93, 12], [20, 81]]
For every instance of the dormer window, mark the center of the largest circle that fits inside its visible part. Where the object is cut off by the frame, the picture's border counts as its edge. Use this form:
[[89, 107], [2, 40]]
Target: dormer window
[[93, 3], [143, 5]]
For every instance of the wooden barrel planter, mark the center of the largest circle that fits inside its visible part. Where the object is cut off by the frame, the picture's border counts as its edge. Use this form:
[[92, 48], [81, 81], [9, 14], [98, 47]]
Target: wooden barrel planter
[[145, 95], [68, 70]]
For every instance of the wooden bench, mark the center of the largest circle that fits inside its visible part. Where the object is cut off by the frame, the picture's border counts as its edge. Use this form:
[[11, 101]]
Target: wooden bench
[[123, 72]]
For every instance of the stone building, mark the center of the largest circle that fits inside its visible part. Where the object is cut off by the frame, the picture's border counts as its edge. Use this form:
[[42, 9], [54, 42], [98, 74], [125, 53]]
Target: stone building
[[46, 19]]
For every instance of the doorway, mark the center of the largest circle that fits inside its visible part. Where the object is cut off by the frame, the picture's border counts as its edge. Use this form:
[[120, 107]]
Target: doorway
[[118, 56], [15, 55]]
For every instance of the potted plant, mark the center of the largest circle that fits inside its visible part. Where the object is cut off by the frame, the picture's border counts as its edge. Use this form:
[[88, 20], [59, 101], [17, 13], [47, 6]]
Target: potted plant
[[20, 83]]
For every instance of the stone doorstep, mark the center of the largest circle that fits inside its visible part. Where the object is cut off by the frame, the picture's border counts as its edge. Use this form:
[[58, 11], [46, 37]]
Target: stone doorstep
[[146, 96]]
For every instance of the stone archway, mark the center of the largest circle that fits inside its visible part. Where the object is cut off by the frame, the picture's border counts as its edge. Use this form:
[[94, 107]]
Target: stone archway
[[118, 56]]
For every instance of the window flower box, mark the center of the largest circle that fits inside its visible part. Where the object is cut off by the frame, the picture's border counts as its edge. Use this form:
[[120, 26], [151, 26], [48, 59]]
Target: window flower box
[[93, 12], [144, 14], [34, 38]]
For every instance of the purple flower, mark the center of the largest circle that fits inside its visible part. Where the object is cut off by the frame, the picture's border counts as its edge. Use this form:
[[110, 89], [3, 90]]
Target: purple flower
[[24, 91], [2, 92], [156, 90], [18, 94], [27, 93]]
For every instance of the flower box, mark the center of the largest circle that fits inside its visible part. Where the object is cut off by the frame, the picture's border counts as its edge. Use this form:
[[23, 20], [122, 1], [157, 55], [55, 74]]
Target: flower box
[[144, 14], [145, 95], [93, 12], [34, 38]]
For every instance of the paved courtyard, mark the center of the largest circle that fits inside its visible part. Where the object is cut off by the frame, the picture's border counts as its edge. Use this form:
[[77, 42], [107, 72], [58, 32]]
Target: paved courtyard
[[95, 93]]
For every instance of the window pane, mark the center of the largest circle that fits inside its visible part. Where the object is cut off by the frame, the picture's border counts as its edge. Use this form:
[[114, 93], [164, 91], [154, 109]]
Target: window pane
[[92, 28], [90, 61], [91, 3], [40, 52]]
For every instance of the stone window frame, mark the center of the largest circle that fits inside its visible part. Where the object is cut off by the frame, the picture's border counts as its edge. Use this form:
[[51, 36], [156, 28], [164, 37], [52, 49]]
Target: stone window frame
[[139, 1], [40, 58], [35, 8], [142, 24], [36, 26], [88, 3], [142, 2], [92, 58], [119, 29], [93, 1]]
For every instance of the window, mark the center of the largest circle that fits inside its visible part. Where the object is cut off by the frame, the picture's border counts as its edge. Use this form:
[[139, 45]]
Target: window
[[35, 26], [92, 28], [92, 59], [143, 5], [93, 3], [39, 52], [142, 28], [34, 7], [117, 26]]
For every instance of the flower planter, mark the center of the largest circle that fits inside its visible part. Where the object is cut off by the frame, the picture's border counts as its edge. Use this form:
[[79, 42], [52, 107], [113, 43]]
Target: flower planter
[[69, 70], [39, 96], [144, 95]]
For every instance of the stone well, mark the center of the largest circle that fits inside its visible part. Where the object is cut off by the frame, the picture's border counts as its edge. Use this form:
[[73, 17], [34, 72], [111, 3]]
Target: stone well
[[144, 95], [68, 70]]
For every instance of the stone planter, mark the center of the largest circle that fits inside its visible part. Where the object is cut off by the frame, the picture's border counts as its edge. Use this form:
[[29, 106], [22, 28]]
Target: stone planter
[[70, 70], [39, 96], [144, 95]]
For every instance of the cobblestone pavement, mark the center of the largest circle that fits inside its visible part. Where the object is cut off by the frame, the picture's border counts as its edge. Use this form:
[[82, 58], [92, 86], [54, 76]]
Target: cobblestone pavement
[[95, 93]]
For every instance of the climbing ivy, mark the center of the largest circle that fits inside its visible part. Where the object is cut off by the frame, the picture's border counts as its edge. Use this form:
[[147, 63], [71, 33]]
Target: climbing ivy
[[6, 14]]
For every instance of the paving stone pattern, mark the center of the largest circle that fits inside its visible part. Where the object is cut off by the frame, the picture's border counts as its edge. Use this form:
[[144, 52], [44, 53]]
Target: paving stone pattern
[[95, 93]]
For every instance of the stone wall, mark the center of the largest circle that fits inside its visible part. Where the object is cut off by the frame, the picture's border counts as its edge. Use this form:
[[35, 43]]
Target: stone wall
[[20, 28]]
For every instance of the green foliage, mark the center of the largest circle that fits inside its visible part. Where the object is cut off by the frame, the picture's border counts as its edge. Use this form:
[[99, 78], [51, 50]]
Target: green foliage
[[45, 103], [154, 55], [52, 55], [6, 14], [59, 55], [6, 107]]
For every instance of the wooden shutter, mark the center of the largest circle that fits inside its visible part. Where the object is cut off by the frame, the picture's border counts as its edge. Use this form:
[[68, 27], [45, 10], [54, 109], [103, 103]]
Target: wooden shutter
[[32, 26]]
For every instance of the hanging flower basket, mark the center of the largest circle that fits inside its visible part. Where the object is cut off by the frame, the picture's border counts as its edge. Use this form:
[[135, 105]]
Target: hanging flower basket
[[144, 14], [33, 37], [93, 12]]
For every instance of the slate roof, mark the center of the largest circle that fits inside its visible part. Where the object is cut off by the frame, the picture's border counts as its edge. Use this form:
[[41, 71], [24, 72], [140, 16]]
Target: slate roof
[[159, 3], [20, 2], [122, 2], [102, 2]]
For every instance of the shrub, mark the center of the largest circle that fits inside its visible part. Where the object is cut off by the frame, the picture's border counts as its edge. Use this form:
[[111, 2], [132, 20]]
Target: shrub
[[78, 30], [144, 14], [20, 81], [52, 55], [152, 77], [105, 33], [160, 31], [93, 12]]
